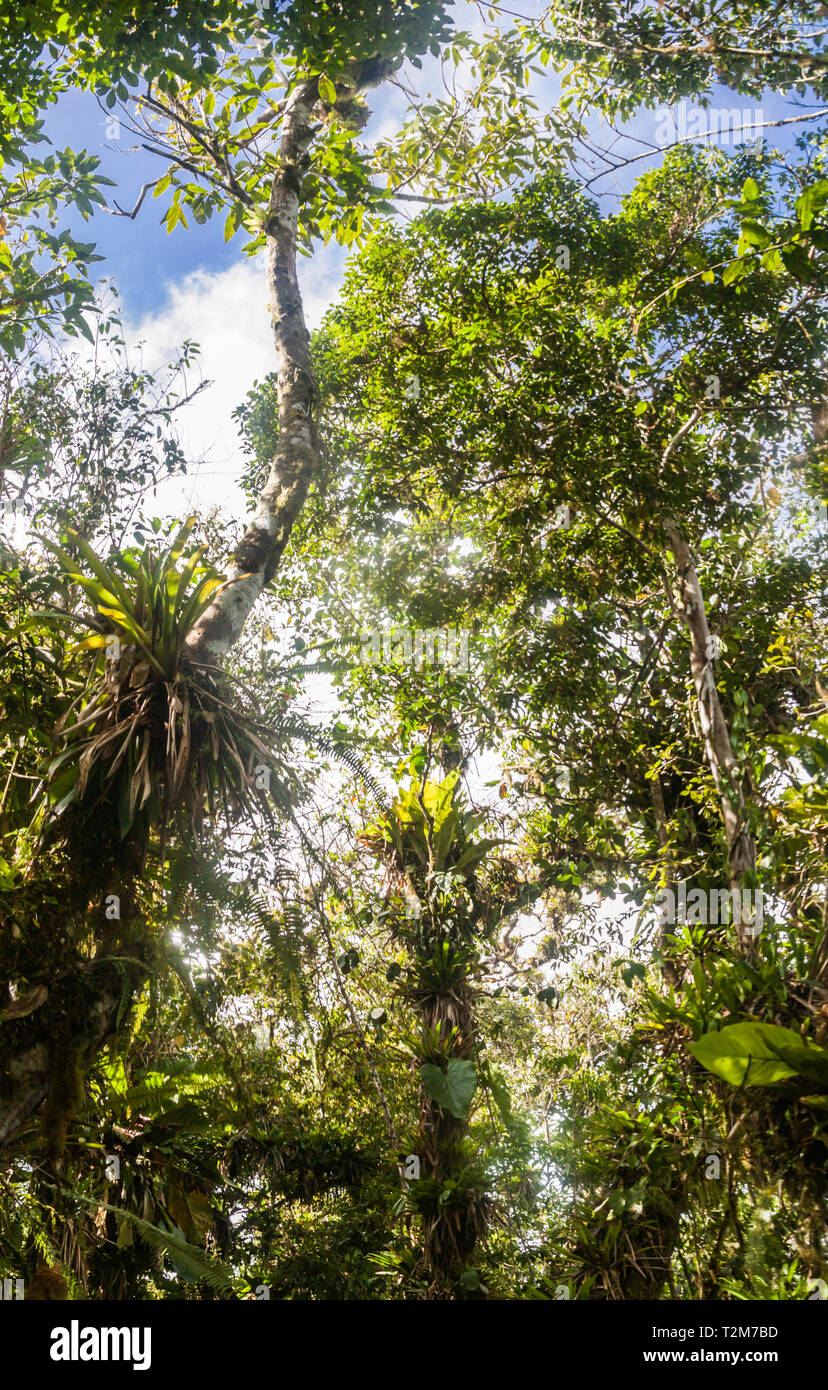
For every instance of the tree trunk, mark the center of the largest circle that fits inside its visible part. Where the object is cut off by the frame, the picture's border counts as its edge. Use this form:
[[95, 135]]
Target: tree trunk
[[46, 1052], [669, 880], [258, 553], [718, 748], [297, 454], [82, 1013], [449, 1233]]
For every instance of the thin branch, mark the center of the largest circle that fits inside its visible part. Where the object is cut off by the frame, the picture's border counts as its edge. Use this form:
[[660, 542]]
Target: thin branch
[[118, 211], [691, 139]]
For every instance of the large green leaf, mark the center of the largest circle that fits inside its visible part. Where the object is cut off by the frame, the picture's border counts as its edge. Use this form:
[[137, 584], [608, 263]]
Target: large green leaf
[[436, 798], [452, 1089], [747, 1053], [809, 1062]]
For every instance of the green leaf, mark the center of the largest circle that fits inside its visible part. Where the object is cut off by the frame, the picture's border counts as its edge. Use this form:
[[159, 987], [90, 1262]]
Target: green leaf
[[452, 1089], [810, 1062], [327, 90], [474, 854], [234, 217], [500, 1093], [734, 271], [773, 261], [754, 234], [348, 961], [797, 264], [747, 1053], [818, 1102]]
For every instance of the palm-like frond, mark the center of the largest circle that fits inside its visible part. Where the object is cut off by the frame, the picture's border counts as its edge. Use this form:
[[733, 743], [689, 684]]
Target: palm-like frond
[[189, 1260], [146, 598], [290, 728], [151, 731]]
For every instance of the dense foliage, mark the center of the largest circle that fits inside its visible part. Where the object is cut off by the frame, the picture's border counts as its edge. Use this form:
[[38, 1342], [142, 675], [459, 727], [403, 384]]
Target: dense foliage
[[460, 931]]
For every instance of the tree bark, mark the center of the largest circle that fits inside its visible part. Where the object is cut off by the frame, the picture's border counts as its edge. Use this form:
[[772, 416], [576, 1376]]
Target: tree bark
[[297, 454], [28, 1069], [669, 879], [46, 1053], [718, 748], [258, 554]]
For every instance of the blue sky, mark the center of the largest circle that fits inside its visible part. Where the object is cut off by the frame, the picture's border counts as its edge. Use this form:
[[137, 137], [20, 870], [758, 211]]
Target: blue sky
[[145, 260], [139, 253]]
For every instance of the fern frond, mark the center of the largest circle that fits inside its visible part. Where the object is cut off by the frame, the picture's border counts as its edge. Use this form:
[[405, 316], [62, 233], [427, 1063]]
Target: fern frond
[[191, 1259]]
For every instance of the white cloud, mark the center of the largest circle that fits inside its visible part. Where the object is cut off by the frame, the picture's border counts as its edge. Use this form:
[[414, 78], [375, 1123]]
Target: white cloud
[[226, 313]]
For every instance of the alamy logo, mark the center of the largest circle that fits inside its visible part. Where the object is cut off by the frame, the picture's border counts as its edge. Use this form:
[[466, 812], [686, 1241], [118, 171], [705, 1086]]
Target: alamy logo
[[710, 906], [76, 1343], [725, 126], [12, 513], [400, 645]]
